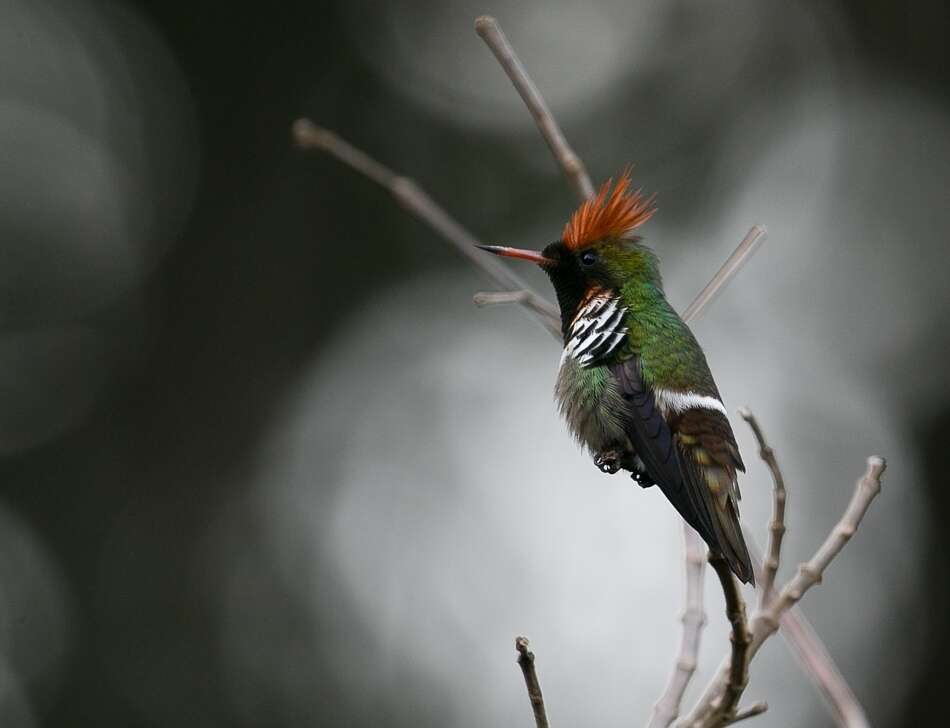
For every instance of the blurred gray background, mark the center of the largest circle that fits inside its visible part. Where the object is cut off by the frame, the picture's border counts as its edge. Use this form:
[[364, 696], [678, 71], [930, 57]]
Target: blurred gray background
[[264, 464]]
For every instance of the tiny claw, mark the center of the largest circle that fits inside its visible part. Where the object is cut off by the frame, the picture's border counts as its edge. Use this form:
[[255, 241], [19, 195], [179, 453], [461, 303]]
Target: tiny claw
[[642, 479], [608, 462]]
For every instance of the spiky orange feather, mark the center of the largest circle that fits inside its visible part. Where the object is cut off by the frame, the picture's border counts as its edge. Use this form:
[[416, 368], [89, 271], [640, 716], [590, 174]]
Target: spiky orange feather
[[609, 214]]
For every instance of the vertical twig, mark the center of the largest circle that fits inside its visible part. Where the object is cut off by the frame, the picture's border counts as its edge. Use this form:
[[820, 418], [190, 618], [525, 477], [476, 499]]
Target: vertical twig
[[526, 662], [724, 710], [805, 644], [667, 707], [766, 623], [777, 524], [489, 30]]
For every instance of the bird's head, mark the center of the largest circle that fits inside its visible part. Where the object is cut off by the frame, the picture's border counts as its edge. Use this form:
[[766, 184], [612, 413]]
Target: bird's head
[[597, 249]]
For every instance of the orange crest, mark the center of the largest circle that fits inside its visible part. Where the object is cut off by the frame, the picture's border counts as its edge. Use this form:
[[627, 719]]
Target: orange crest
[[609, 214]]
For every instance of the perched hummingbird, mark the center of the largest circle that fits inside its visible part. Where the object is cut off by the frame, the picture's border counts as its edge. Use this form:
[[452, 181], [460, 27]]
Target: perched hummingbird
[[634, 385]]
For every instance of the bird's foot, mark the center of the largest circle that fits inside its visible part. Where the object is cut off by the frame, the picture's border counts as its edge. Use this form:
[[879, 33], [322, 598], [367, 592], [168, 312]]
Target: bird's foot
[[608, 461], [642, 479]]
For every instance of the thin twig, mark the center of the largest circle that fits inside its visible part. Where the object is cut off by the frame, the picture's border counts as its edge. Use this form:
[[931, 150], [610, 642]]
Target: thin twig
[[750, 712], [667, 707], [806, 646], [818, 664], [812, 656], [740, 256], [526, 662], [777, 524], [489, 30], [526, 298], [766, 623], [809, 574], [413, 198], [724, 710]]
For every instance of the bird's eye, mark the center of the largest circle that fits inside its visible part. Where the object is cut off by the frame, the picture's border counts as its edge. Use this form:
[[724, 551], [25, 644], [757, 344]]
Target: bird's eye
[[589, 257]]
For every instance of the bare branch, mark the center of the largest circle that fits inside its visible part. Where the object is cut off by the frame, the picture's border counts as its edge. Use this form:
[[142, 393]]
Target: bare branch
[[489, 30], [737, 677], [526, 662], [750, 712], [806, 646], [413, 198], [809, 574], [528, 299], [740, 256], [777, 524], [766, 623], [667, 708], [821, 669]]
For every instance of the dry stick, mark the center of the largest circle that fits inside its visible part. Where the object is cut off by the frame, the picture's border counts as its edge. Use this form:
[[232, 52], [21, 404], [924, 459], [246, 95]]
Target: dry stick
[[489, 30], [806, 646], [820, 667], [750, 712], [809, 574], [738, 675], [526, 662], [413, 198], [528, 299], [777, 524], [750, 243], [667, 707], [766, 623], [813, 657]]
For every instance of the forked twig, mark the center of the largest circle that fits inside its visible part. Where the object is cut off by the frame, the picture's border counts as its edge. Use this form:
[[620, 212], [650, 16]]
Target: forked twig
[[489, 30], [766, 623], [806, 646], [867, 489], [777, 524], [526, 662], [667, 707], [308, 135]]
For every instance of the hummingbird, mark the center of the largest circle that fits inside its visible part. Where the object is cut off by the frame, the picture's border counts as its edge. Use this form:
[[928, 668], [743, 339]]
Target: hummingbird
[[633, 385]]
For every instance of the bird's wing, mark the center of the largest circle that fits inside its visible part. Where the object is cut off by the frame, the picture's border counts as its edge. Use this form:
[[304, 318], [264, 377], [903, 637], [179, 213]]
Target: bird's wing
[[695, 467]]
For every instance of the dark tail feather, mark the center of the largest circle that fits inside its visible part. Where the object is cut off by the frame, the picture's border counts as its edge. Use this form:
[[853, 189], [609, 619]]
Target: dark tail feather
[[731, 544], [717, 518]]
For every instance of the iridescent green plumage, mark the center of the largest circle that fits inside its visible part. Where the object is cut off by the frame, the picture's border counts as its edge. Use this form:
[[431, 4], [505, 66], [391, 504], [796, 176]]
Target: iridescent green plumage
[[634, 385]]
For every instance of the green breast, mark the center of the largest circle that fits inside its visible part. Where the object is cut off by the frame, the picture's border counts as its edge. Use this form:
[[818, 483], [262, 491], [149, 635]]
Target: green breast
[[591, 404]]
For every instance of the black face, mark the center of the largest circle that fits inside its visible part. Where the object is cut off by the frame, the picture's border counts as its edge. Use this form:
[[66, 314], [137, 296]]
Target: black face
[[571, 274]]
